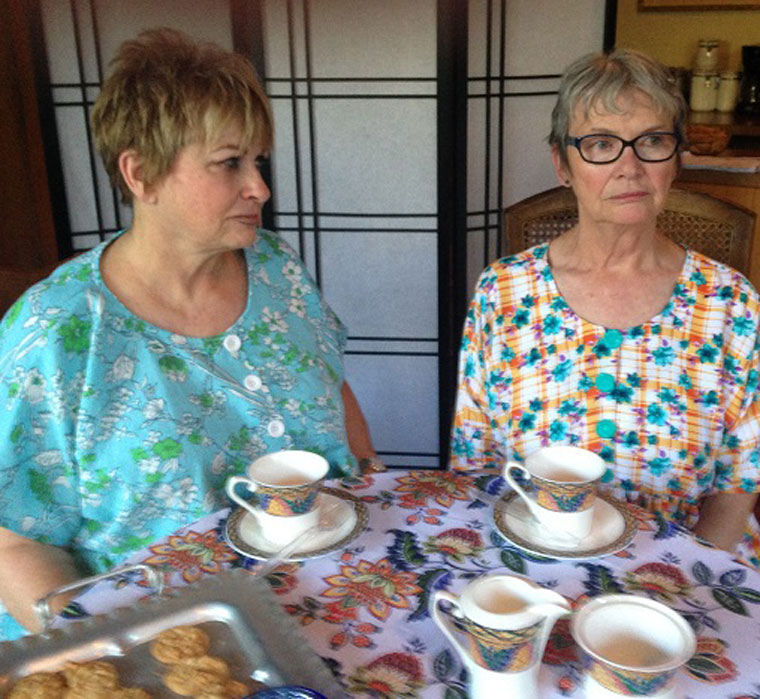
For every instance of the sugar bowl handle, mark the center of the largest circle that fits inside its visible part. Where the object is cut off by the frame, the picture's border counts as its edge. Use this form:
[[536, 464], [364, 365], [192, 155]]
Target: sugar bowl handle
[[42, 607]]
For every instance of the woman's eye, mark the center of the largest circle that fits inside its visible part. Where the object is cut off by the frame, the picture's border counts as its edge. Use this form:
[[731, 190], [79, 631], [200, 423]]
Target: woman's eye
[[602, 144], [232, 163], [653, 140], [261, 161]]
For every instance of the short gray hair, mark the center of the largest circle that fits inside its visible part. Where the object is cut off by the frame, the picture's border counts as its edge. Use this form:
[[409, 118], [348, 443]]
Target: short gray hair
[[600, 79]]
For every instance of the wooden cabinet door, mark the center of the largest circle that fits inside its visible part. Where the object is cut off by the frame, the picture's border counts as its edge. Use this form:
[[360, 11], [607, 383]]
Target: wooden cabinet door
[[28, 247]]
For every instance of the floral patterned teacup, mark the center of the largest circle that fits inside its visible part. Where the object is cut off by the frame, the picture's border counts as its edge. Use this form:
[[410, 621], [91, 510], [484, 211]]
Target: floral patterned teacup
[[632, 646], [504, 621], [563, 481], [285, 487]]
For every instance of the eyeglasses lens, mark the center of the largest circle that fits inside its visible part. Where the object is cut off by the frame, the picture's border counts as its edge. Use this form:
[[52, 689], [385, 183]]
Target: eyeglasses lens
[[651, 147]]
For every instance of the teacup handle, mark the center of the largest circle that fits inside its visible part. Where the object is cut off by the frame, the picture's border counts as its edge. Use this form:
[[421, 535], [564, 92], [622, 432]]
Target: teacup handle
[[248, 483], [529, 501], [443, 623]]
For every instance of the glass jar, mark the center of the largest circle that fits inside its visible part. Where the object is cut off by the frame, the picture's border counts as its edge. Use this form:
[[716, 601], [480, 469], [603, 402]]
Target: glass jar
[[707, 55], [728, 91], [704, 91]]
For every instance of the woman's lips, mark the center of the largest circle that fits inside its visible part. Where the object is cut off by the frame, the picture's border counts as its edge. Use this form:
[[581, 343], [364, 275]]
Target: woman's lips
[[249, 220], [630, 196]]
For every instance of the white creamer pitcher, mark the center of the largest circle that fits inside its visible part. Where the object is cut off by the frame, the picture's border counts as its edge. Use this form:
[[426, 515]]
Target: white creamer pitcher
[[500, 628]]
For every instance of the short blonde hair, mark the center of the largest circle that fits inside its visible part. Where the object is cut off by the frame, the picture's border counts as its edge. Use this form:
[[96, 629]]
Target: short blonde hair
[[165, 91], [601, 78]]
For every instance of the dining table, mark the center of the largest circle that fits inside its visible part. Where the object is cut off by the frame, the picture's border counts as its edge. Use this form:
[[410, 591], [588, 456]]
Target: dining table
[[363, 602]]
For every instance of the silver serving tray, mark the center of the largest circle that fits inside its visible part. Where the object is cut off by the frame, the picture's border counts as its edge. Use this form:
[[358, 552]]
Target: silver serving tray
[[239, 611]]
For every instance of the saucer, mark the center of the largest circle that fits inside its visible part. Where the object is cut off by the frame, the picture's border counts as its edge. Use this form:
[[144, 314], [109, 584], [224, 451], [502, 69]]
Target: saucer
[[594, 690], [344, 523], [612, 529]]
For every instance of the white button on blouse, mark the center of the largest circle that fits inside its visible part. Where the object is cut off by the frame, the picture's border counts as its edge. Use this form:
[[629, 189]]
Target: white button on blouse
[[276, 428], [252, 382], [232, 343]]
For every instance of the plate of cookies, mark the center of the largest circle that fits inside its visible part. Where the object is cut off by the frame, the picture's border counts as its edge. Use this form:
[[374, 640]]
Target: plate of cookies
[[226, 637]]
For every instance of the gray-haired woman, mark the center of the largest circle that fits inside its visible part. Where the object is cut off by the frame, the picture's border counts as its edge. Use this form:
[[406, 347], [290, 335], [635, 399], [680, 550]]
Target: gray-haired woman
[[613, 337]]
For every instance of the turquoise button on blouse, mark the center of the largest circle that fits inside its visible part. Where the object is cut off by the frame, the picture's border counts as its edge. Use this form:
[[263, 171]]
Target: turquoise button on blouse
[[606, 429], [605, 382], [613, 339]]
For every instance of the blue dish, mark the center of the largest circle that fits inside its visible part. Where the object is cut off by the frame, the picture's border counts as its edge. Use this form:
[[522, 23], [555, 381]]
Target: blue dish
[[290, 691]]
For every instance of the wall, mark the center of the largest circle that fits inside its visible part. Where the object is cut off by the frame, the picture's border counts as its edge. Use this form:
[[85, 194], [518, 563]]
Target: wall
[[671, 37]]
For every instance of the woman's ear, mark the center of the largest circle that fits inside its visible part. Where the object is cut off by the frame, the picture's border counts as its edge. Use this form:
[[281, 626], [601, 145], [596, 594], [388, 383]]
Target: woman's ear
[[130, 167], [560, 169]]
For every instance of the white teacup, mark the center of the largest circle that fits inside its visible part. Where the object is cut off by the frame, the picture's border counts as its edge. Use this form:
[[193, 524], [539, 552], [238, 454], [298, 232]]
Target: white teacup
[[564, 483], [633, 647], [285, 487]]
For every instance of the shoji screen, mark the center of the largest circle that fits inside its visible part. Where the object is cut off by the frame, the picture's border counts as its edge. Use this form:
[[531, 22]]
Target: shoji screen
[[517, 51], [353, 88]]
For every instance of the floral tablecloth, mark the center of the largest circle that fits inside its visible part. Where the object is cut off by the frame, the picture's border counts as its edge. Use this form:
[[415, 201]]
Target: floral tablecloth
[[364, 608]]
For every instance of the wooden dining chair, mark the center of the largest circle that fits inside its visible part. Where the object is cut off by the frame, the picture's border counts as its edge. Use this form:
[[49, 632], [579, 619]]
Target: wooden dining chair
[[714, 227]]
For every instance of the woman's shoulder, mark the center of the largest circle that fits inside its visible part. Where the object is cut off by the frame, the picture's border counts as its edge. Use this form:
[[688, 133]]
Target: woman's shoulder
[[515, 270], [270, 244], [530, 257], [720, 282], [69, 290]]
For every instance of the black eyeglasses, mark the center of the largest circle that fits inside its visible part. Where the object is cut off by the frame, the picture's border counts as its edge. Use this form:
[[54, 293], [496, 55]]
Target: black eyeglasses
[[602, 148]]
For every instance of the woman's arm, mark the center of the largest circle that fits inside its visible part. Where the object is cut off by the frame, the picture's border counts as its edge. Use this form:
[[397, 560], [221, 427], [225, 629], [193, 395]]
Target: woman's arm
[[723, 518], [359, 440], [29, 571]]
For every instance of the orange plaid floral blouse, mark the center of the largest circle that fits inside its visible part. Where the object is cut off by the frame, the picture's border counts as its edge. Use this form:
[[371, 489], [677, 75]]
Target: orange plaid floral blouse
[[671, 405]]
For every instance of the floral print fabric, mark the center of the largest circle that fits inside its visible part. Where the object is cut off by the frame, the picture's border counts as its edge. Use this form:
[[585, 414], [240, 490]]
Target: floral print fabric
[[671, 405], [116, 432], [365, 608]]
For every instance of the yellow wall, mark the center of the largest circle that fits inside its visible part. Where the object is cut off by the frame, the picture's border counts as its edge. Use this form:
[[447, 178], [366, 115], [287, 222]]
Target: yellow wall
[[671, 37]]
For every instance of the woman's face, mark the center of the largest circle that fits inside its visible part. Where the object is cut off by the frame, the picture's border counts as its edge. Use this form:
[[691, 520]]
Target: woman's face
[[627, 191], [212, 197]]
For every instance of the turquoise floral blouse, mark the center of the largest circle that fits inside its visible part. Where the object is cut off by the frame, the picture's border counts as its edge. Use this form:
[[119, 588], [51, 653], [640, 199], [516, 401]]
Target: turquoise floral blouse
[[116, 432]]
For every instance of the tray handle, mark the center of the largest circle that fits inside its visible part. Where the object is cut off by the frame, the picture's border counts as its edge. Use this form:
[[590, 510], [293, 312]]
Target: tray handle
[[42, 607]]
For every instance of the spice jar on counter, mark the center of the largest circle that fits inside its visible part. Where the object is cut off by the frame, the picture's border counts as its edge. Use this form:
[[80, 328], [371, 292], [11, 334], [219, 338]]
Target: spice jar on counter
[[707, 55], [704, 91], [728, 91]]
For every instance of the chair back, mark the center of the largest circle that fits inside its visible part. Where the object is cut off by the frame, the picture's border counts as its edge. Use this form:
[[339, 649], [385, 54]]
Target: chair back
[[714, 227]]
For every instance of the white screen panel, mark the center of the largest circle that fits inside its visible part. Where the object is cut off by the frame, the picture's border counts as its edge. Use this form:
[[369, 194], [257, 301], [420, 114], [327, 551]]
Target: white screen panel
[[399, 396], [392, 38], [527, 158], [286, 157], [72, 138], [391, 162], [275, 33], [542, 36], [382, 284], [202, 19], [59, 42]]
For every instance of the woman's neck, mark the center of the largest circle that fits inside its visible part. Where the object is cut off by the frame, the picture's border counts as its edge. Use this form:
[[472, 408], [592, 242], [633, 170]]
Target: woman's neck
[[187, 292], [618, 282], [615, 249]]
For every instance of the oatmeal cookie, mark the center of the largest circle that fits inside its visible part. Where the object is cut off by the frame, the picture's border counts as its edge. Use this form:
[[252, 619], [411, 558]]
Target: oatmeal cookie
[[202, 675], [91, 677], [89, 693], [40, 685], [232, 690], [131, 693], [178, 643]]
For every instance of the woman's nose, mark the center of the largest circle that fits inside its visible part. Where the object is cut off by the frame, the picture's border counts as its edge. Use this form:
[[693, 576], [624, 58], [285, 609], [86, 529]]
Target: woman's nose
[[628, 160], [255, 186]]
